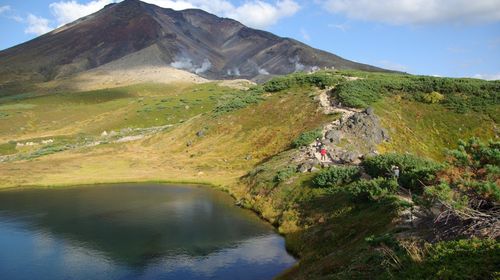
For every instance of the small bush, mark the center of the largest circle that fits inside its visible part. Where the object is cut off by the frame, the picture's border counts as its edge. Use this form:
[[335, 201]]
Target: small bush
[[320, 79], [238, 101], [373, 190], [307, 138], [285, 174], [433, 97], [461, 259], [474, 169], [359, 93], [336, 176], [415, 171]]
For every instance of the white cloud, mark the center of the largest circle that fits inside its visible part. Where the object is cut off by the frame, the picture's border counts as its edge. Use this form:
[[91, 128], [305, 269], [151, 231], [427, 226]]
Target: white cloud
[[490, 77], [16, 18], [401, 12], [260, 14], [255, 13], [37, 25], [305, 34], [342, 27], [172, 4], [392, 66], [4, 9], [68, 11]]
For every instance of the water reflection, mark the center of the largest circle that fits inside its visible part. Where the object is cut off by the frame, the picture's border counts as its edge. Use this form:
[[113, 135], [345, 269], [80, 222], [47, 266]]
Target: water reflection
[[134, 231]]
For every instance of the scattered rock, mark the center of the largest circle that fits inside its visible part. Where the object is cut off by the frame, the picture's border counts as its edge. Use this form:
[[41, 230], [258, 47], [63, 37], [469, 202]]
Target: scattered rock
[[314, 169], [349, 157], [305, 167], [104, 133], [248, 157], [200, 133], [189, 143]]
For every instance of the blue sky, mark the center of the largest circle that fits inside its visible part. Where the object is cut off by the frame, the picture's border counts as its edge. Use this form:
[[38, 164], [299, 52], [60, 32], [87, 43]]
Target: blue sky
[[457, 38]]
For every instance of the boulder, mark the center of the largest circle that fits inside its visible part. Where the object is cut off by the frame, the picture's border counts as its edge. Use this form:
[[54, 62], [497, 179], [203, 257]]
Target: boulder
[[365, 126], [200, 133], [349, 157], [333, 136], [305, 167]]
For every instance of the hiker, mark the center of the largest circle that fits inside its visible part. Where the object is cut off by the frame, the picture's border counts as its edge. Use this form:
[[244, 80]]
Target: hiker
[[323, 153], [318, 145], [395, 172]]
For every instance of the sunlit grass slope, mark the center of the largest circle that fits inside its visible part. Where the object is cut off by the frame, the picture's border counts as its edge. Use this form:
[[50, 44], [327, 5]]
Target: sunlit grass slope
[[232, 143], [241, 141], [240, 128]]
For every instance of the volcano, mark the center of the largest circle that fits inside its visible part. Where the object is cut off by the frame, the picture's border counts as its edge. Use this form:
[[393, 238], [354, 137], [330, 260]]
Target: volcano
[[136, 33]]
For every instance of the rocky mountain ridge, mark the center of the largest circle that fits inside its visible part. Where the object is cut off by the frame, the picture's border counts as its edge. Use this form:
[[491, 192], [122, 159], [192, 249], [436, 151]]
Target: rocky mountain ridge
[[191, 40]]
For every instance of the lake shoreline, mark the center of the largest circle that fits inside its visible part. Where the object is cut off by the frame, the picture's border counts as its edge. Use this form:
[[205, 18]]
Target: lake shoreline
[[160, 184], [217, 187]]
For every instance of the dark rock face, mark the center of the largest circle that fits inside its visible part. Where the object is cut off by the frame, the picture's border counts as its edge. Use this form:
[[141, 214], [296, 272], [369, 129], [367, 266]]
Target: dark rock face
[[192, 40], [366, 126], [355, 137], [334, 136]]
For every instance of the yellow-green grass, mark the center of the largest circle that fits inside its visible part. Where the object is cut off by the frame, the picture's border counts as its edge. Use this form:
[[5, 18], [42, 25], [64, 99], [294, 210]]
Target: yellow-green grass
[[96, 111], [428, 129], [219, 157], [326, 230]]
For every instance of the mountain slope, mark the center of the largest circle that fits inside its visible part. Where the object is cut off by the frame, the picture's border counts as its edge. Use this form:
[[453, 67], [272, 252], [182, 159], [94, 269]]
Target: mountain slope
[[191, 40], [242, 142]]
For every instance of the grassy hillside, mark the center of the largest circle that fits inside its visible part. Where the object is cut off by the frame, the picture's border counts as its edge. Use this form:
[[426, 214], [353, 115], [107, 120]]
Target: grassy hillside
[[242, 141]]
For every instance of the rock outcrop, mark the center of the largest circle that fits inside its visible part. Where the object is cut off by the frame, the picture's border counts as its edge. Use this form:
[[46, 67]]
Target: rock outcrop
[[354, 136]]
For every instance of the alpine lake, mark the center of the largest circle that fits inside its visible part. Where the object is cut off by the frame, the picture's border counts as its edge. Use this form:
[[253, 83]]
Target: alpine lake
[[134, 231]]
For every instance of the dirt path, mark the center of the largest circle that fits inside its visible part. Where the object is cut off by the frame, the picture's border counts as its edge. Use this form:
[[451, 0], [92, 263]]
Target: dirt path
[[329, 107]]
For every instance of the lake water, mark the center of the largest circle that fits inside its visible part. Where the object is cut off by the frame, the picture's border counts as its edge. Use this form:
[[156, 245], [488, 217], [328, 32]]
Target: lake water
[[134, 231]]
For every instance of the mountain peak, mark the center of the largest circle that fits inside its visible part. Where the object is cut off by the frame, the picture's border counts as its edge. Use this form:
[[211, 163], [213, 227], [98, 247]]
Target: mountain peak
[[191, 40]]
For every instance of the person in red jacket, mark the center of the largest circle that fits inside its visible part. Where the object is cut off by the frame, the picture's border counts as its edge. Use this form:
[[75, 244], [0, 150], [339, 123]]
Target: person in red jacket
[[323, 153]]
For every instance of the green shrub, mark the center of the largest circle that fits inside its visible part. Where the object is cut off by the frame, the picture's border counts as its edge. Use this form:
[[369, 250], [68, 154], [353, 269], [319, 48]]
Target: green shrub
[[474, 168], [238, 101], [321, 79], [359, 93], [460, 95], [285, 174], [8, 148], [461, 259], [433, 97], [373, 190], [278, 84], [415, 172], [336, 176], [307, 138]]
